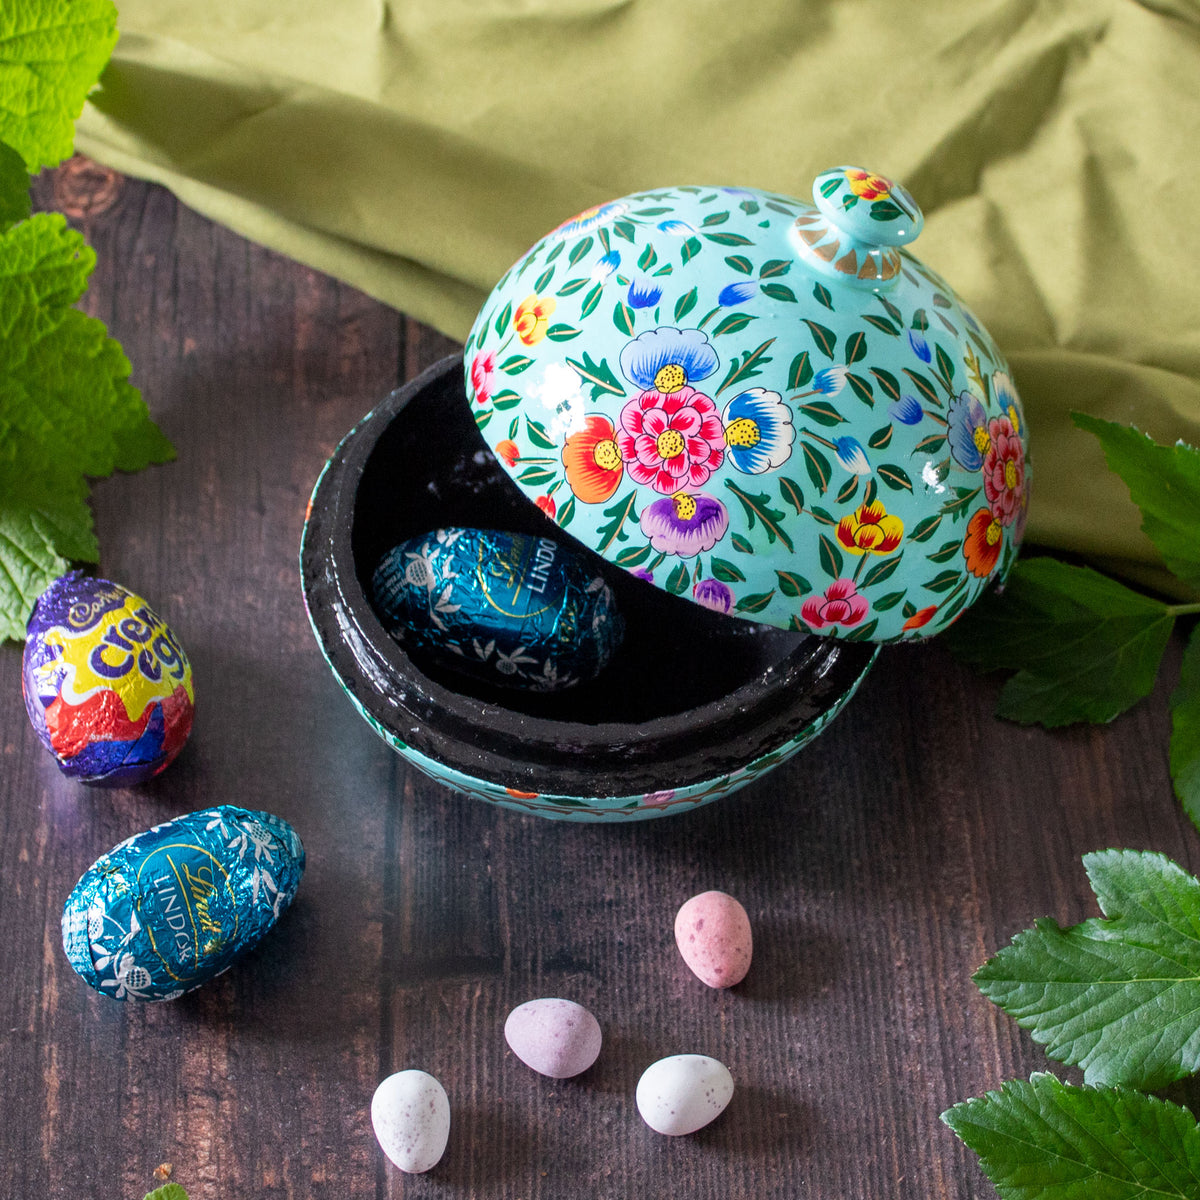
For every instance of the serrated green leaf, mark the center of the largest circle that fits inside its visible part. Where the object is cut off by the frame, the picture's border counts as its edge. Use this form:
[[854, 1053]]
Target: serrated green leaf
[[169, 1191], [596, 375], [757, 508], [1164, 482], [1185, 731], [1119, 997], [1085, 647], [15, 204], [1045, 1140]]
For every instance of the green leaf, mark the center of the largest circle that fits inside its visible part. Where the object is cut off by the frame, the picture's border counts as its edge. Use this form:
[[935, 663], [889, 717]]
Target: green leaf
[[847, 490], [1185, 731], [619, 512], [502, 319], [945, 365], [572, 286], [778, 291], [755, 603], [506, 399], [597, 375], [685, 304], [50, 56], [623, 318], [740, 544], [817, 466], [1119, 997], [567, 513], [822, 296], [926, 528], [543, 280], [739, 262], [562, 333], [1085, 646], [732, 323], [884, 569], [884, 210], [168, 1191], [1045, 1140], [881, 438], [677, 581], [580, 249], [626, 230], [647, 258], [882, 324], [746, 366], [789, 489], [538, 435], [773, 267], [1164, 482], [856, 348], [728, 239], [895, 477], [14, 188], [536, 476], [888, 382], [791, 584], [690, 249], [825, 338], [823, 413], [800, 372], [831, 558], [861, 388], [927, 390], [29, 563], [715, 219], [591, 300], [726, 571]]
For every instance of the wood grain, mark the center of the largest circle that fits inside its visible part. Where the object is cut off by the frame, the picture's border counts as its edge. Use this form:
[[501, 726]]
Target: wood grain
[[879, 868]]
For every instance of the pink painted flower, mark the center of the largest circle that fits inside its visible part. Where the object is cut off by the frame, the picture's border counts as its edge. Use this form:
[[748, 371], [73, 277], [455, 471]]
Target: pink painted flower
[[483, 371], [672, 441], [714, 594], [842, 604], [1004, 470]]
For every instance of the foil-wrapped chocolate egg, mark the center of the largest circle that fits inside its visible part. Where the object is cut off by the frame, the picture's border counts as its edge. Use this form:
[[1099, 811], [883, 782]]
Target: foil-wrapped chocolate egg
[[171, 908], [508, 608], [107, 685]]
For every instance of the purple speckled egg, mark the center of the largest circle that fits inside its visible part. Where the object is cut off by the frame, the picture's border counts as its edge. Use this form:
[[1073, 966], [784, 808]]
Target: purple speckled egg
[[558, 1038]]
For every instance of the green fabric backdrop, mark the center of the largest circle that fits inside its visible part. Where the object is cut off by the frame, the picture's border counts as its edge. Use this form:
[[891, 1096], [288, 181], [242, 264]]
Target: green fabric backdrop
[[416, 149]]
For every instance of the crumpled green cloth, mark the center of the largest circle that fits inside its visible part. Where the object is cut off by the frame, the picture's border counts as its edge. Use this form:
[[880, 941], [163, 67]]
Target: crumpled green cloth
[[416, 147]]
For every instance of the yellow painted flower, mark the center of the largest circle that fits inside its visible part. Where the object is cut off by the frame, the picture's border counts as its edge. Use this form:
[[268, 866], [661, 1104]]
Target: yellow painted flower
[[532, 318], [871, 529]]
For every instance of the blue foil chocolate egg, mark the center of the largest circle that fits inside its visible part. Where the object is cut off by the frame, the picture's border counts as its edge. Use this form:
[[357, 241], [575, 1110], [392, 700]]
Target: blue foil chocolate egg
[[107, 686], [171, 908], [507, 608]]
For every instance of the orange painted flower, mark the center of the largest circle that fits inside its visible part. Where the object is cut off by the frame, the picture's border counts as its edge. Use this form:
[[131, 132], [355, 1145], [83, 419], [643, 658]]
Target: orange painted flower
[[547, 505], [982, 545], [508, 451], [532, 318], [920, 618], [868, 186], [871, 529], [593, 461]]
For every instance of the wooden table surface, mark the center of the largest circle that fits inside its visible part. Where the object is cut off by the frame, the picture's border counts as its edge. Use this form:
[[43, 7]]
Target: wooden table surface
[[879, 867]]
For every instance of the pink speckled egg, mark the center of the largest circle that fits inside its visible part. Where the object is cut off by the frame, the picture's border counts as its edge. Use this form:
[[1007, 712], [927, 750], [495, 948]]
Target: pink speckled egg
[[558, 1038], [712, 932]]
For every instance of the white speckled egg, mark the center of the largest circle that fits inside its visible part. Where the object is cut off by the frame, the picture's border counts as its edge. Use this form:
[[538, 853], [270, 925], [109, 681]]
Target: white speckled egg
[[713, 934], [683, 1093], [558, 1038], [411, 1118]]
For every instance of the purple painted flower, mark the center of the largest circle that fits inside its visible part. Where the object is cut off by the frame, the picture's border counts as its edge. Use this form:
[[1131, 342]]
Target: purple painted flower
[[644, 294], [685, 523], [920, 347], [907, 410], [852, 456], [737, 293], [642, 573], [830, 380], [967, 431], [714, 594]]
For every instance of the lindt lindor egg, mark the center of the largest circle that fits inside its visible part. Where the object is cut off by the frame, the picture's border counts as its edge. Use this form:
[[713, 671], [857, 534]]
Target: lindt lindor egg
[[713, 934], [107, 685], [506, 608], [554, 1037], [411, 1118], [683, 1093], [174, 906]]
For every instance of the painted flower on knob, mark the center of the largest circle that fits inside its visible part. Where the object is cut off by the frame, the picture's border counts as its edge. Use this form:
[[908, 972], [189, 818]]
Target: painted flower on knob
[[532, 318], [758, 431], [483, 371], [870, 529], [1004, 470], [983, 543], [667, 359], [967, 431], [868, 185], [671, 441], [686, 523], [842, 604], [714, 594], [593, 462]]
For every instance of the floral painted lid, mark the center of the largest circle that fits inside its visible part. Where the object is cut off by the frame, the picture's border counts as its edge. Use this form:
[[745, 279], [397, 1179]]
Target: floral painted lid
[[762, 404]]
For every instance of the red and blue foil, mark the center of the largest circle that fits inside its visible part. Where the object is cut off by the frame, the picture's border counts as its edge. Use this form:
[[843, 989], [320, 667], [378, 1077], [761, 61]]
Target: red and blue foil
[[107, 686]]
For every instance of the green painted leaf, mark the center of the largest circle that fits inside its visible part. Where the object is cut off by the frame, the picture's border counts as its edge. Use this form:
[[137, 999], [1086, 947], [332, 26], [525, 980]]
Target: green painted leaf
[[572, 286], [685, 304], [1164, 482], [881, 438], [831, 557], [885, 568], [741, 544], [516, 363], [818, 467], [747, 365], [932, 444], [791, 584], [1045, 1140], [718, 218], [925, 529], [562, 333], [536, 476], [800, 372], [758, 508], [946, 552], [825, 339], [623, 318], [882, 324], [884, 603], [598, 376], [861, 388], [920, 321], [773, 267], [887, 381], [755, 603], [580, 250], [502, 319], [884, 210], [690, 249], [1118, 997], [726, 571], [822, 412], [543, 280], [555, 251], [538, 435], [945, 364], [895, 477], [789, 489], [943, 581], [591, 300], [823, 517], [728, 239], [778, 291], [940, 301], [613, 530], [647, 258], [506, 399], [632, 556], [739, 262], [822, 296], [891, 310], [1185, 730], [732, 323], [1085, 647], [870, 492], [863, 633], [830, 186], [15, 203], [963, 499], [856, 348], [678, 580], [482, 417], [567, 513], [626, 230], [847, 490], [927, 390]]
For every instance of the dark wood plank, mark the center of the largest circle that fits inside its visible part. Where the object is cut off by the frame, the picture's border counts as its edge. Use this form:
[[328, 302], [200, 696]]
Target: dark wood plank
[[879, 868]]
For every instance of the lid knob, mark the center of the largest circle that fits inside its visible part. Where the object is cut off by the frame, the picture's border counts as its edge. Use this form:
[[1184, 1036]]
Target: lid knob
[[861, 218]]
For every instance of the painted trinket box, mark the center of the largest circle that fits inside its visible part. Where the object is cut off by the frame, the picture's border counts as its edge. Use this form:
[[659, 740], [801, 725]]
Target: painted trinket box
[[745, 406]]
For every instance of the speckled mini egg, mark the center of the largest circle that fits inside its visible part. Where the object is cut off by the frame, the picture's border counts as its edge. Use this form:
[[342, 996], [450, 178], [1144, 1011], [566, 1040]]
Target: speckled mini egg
[[683, 1093], [171, 908], [713, 934], [411, 1118], [107, 685], [554, 1037]]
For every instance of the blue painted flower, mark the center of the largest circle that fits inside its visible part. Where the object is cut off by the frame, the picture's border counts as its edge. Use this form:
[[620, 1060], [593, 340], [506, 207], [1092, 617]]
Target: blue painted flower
[[677, 228], [852, 456], [737, 293], [643, 293], [668, 359], [920, 347], [907, 410], [967, 431], [830, 380], [589, 219], [605, 267], [758, 431]]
